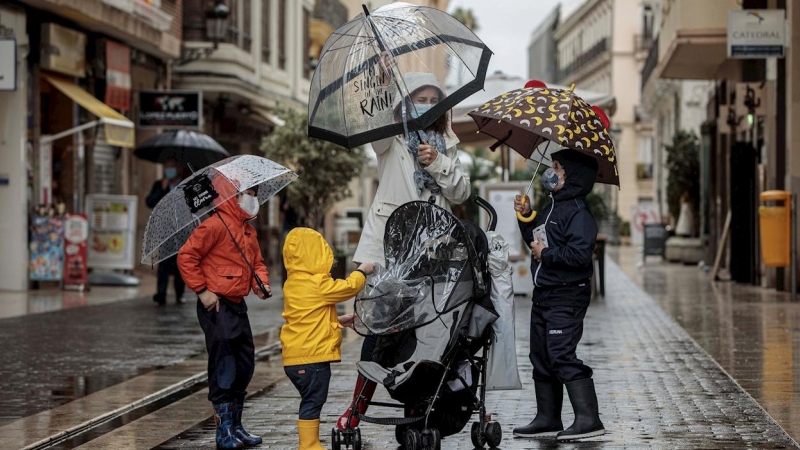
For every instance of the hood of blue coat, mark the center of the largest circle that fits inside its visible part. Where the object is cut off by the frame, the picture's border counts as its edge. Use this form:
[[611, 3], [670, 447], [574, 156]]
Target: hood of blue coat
[[581, 173]]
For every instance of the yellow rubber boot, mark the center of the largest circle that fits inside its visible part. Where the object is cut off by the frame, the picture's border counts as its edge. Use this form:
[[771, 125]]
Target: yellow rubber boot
[[309, 435]]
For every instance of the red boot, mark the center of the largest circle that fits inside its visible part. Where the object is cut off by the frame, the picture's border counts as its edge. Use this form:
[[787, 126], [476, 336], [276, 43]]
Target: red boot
[[366, 396]]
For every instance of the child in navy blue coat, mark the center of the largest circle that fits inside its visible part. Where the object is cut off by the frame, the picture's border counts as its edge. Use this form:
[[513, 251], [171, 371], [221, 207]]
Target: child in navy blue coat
[[562, 239]]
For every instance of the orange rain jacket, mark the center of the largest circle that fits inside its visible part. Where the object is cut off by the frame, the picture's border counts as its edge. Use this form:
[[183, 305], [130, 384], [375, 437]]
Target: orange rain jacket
[[210, 260]]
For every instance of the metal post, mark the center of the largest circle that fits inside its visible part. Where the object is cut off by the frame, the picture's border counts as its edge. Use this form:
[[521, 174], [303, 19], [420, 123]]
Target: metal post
[[794, 249]]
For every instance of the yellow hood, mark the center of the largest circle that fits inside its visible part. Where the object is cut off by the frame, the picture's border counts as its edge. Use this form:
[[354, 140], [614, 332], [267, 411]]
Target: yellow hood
[[307, 251]]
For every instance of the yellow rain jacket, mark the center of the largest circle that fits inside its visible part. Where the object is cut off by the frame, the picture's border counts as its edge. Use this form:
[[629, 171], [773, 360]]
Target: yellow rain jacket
[[312, 333]]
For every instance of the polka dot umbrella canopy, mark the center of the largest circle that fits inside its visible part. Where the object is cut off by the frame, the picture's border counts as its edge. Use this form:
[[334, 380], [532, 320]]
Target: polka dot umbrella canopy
[[177, 215]]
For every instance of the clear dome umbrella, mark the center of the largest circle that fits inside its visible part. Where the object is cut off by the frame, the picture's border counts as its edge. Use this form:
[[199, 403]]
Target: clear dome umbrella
[[370, 64], [177, 215]]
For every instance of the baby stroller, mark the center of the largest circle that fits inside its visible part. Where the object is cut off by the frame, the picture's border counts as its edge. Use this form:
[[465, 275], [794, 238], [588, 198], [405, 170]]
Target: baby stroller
[[432, 313]]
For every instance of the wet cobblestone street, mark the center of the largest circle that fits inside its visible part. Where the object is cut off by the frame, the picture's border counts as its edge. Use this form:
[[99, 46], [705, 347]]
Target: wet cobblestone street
[[656, 389]]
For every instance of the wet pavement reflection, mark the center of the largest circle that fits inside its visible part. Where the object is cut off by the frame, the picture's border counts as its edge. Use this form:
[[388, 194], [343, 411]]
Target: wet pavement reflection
[[656, 389], [52, 358], [753, 333]]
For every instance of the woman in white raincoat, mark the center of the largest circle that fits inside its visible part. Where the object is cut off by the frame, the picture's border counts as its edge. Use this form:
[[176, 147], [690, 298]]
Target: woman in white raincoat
[[408, 170]]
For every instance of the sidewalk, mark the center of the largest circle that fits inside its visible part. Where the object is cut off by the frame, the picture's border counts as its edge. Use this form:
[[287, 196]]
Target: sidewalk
[[35, 301], [656, 388], [53, 358], [753, 333]]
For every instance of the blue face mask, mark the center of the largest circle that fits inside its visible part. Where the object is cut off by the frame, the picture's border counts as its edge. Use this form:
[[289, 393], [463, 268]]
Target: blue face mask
[[170, 173], [550, 180], [420, 109]]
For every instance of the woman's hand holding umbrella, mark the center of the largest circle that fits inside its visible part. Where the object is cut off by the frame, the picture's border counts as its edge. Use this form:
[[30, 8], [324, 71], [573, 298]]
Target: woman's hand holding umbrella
[[427, 154]]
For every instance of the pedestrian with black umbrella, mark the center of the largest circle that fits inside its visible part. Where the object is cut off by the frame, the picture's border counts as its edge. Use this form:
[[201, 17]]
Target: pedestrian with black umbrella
[[162, 187]]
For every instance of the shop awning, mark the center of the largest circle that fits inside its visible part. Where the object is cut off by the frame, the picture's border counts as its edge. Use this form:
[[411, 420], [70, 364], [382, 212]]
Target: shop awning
[[268, 116], [119, 131]]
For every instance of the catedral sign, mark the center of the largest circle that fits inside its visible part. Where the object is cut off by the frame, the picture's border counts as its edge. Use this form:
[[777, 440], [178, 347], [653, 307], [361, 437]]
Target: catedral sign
[[756, 33]]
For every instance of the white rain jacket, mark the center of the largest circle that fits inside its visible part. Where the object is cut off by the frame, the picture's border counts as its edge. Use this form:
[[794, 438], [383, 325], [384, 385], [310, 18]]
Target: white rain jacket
[[396, 167]]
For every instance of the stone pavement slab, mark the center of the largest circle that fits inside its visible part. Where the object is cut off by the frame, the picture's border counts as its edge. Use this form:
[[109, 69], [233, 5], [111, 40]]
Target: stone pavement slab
[[656, 387]]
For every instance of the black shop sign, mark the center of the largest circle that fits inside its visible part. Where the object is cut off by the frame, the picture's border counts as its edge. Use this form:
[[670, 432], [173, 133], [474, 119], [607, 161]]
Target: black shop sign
[[170, 109]]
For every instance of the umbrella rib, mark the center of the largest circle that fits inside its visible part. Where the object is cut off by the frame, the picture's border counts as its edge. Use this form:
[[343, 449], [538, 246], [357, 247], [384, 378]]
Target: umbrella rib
[[342, 34], [439, 33]]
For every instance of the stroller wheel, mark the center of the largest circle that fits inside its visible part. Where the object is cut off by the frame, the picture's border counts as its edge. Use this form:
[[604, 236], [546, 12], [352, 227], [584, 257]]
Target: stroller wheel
[[413, 439], [436, 439], [336, 439], [357, 439], [478, 439], [494, 434], [400, 434]]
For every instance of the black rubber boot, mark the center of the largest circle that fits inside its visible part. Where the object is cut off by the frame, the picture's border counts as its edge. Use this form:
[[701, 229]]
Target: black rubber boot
[[587, 419], [547, 423], [161, 299], [249, 440]]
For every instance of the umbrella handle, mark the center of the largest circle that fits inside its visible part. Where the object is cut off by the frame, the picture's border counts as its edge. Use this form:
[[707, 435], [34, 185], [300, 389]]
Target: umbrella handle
[[522, 218], [261, 285]]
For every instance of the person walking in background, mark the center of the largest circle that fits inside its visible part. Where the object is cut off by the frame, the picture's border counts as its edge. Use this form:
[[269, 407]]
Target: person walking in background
[[169, 266]]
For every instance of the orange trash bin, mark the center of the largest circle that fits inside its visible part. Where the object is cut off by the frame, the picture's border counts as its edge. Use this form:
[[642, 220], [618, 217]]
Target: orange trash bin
[[776, 228]]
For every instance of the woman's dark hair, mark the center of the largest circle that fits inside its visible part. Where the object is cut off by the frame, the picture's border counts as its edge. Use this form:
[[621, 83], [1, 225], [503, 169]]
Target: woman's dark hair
[[440, 126]]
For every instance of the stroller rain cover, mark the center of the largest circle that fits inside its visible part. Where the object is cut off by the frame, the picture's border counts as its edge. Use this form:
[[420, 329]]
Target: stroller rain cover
[[432, 268]]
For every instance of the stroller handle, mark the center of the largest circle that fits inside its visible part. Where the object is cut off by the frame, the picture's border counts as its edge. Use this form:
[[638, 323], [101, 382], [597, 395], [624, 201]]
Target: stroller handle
[[489, 210]]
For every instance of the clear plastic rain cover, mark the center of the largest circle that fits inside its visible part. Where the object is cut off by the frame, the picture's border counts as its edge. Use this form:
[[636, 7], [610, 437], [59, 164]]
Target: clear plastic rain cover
[[432, 268]]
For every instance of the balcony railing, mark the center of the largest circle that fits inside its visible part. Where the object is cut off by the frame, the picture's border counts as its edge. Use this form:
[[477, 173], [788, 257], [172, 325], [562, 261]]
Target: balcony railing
[[585, 58], [650, 63], [642, 42]]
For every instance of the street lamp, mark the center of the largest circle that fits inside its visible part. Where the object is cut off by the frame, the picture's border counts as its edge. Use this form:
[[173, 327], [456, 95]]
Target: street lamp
[[217, 22], [216, 32]]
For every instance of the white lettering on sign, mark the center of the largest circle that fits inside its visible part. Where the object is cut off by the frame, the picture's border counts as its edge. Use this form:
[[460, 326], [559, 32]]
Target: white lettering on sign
[[201, 198]]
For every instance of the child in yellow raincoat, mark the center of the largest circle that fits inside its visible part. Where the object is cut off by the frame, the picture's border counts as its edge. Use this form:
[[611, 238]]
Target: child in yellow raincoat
[[312, 335]]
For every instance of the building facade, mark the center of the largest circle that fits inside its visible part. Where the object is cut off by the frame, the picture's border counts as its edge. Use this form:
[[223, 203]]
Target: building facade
[[69, 119], [542, 49], [596, 49], [744, 111]]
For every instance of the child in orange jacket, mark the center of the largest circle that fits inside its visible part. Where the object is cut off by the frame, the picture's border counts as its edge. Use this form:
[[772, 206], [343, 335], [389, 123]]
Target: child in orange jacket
[[213, 267], [312, 336]]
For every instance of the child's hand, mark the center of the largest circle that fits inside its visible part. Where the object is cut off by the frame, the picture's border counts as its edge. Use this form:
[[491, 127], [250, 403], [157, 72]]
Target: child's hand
[[536, 248], [524, 209], [347, 320], [209, 300], [367, 268], [262, 295]]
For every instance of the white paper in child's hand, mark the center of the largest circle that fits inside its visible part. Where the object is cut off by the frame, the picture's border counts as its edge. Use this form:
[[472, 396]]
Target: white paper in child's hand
[[541, 234]]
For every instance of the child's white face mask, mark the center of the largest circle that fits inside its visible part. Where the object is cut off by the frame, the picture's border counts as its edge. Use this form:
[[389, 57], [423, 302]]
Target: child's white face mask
[[249, 204]]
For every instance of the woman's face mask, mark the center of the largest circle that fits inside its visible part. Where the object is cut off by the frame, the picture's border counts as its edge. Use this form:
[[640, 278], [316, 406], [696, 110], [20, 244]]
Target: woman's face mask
[[420, 109], [553, 178], [249, 204]]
